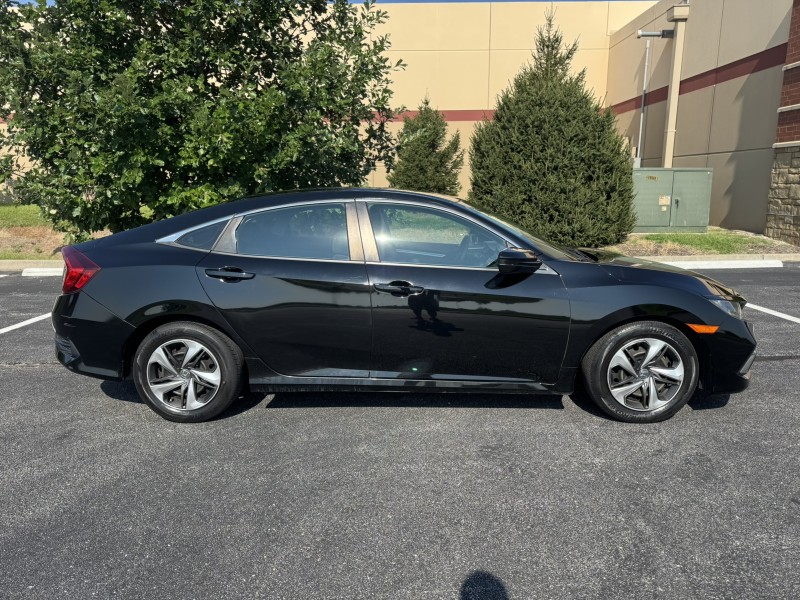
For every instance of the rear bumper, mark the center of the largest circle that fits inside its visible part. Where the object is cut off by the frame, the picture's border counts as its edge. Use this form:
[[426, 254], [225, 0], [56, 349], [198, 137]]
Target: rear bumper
[[89, 339]]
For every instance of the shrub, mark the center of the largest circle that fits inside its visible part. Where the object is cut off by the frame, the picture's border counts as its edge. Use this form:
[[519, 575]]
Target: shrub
[[137, 110]]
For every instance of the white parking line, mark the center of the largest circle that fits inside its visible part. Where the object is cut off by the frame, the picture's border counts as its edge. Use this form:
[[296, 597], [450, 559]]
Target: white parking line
[[774, 313], [24, 323]]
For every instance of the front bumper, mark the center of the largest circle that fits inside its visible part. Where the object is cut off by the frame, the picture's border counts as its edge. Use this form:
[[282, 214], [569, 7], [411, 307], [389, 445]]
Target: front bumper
[[89, 339], [732, 351]]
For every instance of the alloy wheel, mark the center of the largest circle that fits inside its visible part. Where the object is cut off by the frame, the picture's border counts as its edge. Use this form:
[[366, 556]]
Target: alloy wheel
[[645, 374], [183, 375]]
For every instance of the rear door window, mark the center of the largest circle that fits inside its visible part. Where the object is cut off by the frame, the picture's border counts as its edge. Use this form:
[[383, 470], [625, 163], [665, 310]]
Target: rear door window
[[316, 231]]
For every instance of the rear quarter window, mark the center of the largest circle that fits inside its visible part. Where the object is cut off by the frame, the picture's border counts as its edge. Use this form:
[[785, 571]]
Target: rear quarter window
[[203, 238]]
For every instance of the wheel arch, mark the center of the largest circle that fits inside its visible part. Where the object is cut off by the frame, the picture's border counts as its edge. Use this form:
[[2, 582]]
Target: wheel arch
[[619, 320], [146, 327]]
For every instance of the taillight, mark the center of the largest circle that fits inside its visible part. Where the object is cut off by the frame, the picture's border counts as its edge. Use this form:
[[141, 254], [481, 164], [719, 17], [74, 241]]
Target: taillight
[[78, 270]]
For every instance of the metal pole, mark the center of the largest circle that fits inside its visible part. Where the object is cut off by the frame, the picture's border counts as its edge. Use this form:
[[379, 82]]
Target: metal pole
[[640, 143]]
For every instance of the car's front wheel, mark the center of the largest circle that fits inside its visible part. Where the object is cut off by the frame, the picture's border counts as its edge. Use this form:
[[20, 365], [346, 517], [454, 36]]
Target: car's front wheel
[[641, 372], [188, 372]]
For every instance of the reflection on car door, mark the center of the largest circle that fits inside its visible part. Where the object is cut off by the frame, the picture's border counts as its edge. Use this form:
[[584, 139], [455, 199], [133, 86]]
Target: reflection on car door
[[440, 309], [292, 284]]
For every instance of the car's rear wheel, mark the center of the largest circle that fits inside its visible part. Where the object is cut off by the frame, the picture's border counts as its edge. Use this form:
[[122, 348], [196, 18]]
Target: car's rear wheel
[[641, 372], [188, 372]]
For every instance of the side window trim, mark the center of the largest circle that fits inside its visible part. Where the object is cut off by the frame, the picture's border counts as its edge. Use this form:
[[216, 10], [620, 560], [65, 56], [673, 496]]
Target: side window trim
[[172, 239], [354, 233], [367, 235]]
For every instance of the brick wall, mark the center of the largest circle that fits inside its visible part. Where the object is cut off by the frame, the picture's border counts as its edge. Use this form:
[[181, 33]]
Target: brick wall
[[793, 51], [788, 126], [790, 93], [783, 212], [783, 204]]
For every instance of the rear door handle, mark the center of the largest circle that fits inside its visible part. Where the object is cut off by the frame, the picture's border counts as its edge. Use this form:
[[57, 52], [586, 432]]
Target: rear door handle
[[229, 274], [399, 288]]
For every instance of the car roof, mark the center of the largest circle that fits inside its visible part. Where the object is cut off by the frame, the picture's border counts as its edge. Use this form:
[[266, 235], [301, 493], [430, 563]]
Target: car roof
[[159, 229], [276, 198]]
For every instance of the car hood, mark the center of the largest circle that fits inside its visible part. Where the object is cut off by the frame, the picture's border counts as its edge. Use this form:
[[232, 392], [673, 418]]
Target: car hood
[[629, 268]]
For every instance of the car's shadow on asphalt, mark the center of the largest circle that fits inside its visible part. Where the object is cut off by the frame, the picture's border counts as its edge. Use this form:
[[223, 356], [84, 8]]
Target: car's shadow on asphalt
[[411, 400], [125, 391], [703, 401], [700, 401]]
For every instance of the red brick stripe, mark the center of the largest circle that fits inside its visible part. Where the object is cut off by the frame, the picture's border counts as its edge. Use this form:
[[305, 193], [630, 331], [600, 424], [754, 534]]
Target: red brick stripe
[[453, 115], [767, 59]]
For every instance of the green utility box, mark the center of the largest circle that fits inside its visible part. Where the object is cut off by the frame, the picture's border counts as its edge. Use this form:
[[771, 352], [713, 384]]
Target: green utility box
[[671, 199]]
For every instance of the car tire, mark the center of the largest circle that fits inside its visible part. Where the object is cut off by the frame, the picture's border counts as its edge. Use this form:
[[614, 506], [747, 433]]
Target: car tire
[[188, 372], [642, 372]]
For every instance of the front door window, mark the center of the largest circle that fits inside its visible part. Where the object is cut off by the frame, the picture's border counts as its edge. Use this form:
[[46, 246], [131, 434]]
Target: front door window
[[416, 235]]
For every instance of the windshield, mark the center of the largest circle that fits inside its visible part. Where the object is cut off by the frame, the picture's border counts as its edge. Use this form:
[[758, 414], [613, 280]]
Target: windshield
[[554, 250]]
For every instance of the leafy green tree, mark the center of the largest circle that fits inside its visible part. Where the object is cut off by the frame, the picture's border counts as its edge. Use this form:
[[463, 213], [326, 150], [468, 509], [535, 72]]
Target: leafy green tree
[[136, 110], [552, 159], [426, 161]]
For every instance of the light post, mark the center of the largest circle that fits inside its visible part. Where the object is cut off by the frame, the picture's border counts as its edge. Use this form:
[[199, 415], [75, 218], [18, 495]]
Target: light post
[[664, 33]]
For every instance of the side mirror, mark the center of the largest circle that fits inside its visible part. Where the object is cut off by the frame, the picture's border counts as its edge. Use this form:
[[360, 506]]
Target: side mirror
[[517, 260]]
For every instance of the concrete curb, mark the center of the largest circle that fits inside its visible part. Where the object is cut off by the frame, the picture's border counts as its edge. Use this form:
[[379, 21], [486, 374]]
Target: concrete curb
[[726, 261], [695, 265], [724, 257], [43, 272], [20, 265]]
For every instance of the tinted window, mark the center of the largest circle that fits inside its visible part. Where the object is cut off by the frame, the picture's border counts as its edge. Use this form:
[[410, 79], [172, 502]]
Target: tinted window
[[203, 238], [309, 231], [418, 235]]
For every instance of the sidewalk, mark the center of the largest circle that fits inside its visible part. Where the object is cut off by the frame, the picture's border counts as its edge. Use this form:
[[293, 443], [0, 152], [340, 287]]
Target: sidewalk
[[698, 261]]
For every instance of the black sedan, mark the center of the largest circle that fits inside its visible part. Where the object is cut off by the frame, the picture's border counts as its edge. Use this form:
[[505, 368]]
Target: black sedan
[[358, 289]]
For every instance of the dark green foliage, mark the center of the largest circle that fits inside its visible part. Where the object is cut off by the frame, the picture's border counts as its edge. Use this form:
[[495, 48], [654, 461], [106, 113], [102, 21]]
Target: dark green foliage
[[552, 160], [426, 162], [136, 110]]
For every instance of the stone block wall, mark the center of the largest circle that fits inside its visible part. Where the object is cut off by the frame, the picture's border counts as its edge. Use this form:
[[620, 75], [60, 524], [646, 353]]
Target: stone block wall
[[783, 210]]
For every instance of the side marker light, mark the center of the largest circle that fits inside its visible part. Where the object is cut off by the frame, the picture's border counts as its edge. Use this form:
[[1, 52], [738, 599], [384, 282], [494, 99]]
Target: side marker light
[[703, 328]]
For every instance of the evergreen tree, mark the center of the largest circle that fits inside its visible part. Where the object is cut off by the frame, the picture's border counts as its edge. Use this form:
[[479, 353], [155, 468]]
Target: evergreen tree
[[552, 159], [426, 162]]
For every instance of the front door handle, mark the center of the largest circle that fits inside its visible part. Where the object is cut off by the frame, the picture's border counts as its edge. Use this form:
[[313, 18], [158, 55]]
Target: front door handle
[[399, 288], [229, 274]]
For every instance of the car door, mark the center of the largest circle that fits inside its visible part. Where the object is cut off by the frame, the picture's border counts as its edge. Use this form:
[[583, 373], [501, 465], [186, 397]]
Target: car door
[[291, 281], [440, 309]]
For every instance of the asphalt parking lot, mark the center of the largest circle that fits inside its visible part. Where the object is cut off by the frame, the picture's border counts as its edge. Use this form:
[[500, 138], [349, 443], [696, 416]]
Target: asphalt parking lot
[[397, 496]]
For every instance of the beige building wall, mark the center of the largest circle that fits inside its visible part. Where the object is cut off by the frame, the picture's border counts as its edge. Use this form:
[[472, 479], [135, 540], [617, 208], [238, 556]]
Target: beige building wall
[[727, 112], [462, 55]]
